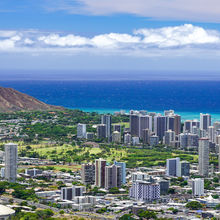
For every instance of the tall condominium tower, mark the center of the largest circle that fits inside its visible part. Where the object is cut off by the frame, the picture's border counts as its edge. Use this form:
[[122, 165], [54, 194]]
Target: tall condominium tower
[[145, 122], [134, 124], [11, 156], [174, 123], [81, 130], [187, 128], [160, 126], [198, 187], [101, 131], [123, 171], [88, 174], [204, 157], [107, 120], [205, 121], [169, 137], [173, 167], [100, 165], [112, 176]]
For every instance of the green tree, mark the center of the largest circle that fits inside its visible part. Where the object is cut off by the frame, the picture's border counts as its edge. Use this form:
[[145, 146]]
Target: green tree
[[194, 205]]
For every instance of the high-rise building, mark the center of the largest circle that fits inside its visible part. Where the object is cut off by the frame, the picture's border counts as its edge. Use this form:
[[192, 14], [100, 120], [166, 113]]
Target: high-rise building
[[146, 136], [68, 193], [185, 168], [164, 186], [107, 120], [127, 138], [198, 187], [204, 157], [116, 137], [134, 124], [177, 124], [123, 171], [117, 128], [187, 128], [88, 174], [169, 137], [81, 130], [205, 121], [144, 191], [112, 176], [11, 156], [101, 131], [100, 165], [145, 122], [211, 134], [188, 140], [173, 167], [160, 126]]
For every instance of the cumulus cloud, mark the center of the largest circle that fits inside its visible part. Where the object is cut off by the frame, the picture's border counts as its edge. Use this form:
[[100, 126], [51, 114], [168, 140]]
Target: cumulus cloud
[[141, 40]]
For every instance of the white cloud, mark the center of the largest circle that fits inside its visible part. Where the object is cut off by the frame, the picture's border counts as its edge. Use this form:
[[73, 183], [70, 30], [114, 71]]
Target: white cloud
[[179, 36], [143, 42], [63, 41], [195, 10]]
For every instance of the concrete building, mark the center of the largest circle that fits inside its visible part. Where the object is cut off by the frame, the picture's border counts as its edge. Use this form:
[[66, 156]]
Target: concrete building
[[101, 131], [144, 191], [173, 167], [204, 157], [100, 165], [112, 176], [123, 171], [135, 141], [205, 121], [187, 127], [33, 172], [198, 187], [211, 134], [88, 174], [160, 126], [134, 125], [68, 193], [154, 140], [185, 168], [116, 137], [107, 120], [164, 186], [146, 136], [138, 176], [169, 137], [89, 135], [11, 157], [81, 130], [145, 122], [117, 128], [127, 139]]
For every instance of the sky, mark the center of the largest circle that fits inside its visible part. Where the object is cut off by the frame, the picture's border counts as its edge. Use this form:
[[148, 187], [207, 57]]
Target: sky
[[75, 35]]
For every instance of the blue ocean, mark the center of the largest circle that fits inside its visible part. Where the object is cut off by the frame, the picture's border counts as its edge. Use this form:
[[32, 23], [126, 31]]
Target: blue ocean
[[187, 98]]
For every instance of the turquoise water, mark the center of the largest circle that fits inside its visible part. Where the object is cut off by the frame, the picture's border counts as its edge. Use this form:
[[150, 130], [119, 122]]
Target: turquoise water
[[187, 98], [184, 115]]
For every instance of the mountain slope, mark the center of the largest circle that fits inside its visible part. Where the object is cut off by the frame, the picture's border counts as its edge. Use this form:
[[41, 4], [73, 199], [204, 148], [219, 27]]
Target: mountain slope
[[13, 100]]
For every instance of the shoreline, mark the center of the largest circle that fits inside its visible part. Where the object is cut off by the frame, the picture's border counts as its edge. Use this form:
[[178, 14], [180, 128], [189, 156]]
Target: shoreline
[[184, 115]]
